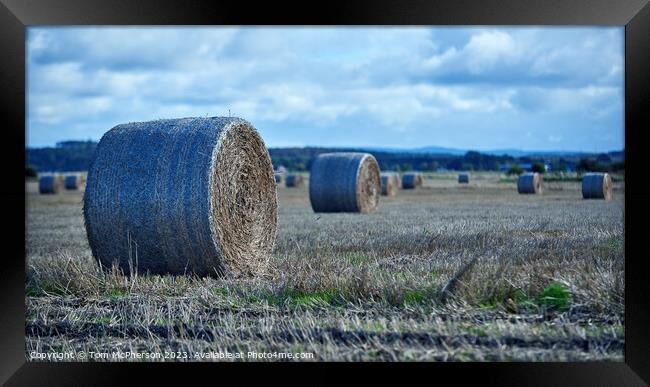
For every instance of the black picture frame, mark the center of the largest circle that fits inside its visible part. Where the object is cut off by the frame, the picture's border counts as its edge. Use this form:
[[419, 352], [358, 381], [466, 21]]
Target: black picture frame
[[17, 15]]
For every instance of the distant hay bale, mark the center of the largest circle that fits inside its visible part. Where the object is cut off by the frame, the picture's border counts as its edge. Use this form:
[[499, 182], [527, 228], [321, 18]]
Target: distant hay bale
[[294, 181], [463, 178], [344, 182], [411, 180], [50, 184], [175, 196], [597, 186], [389, 183], [74, 181], [529, 183]]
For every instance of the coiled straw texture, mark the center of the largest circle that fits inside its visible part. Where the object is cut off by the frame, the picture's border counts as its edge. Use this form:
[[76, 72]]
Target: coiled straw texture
[[189, 195]]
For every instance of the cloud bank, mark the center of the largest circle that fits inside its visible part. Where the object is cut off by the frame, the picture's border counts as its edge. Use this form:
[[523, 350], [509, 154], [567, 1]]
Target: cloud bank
[[479, 88]]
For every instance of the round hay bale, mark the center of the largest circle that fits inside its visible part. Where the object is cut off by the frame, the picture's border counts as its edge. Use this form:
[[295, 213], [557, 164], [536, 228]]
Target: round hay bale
[[50, 184], [411, 180], [344, 182], [529, 183], [189, 195], [463, 178], [597, 186], [74, 181], [389, 183], [294, 181]]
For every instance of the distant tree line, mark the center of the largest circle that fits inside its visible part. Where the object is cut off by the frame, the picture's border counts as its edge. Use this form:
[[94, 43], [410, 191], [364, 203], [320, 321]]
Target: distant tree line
[[66, 156], [76, 156], [300, 159]]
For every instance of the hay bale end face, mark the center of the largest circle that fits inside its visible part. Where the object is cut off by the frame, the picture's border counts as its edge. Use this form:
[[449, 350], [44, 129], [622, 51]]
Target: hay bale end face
[[411, 180], [597, 186], [529, 183], [344, 182], [389, 183], [50, 184], [294, 181], [74, 181], [190, 195], [463, 178]]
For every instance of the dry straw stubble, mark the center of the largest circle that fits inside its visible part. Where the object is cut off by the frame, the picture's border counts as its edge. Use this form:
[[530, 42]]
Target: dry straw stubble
[[344, 182], [189, 195]]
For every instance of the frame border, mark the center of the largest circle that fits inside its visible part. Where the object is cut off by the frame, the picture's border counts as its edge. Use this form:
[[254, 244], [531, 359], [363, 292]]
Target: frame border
[[17, 15]]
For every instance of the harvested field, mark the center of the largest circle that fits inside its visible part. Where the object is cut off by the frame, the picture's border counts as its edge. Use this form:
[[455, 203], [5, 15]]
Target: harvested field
[[546, 282]]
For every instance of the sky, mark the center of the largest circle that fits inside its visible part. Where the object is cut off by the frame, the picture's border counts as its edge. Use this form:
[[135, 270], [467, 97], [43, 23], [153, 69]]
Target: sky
[[487, 88]]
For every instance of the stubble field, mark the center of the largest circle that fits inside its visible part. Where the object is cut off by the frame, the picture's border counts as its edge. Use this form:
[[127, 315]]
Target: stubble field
[[446, 272]]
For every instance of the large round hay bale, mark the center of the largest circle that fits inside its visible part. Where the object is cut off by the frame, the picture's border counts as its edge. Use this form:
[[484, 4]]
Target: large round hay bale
[[50, 184], [74, 181], [294, 181], [411, 180], [463, 178], [344, 182], [389, 183], [597, 186], [189, 195], [529, 183]]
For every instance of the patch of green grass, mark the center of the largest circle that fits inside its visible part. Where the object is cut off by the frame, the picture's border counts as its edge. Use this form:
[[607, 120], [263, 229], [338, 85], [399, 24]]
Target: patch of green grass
[[555, 296], [322, 298], [513, 299], [524, 303], [220, 291], [620, 331], [45, 288], [356, 258], [374, 326], [614, 244], [252, 298], [31, 317], [103, 320], [117, 293], [373, 353], [420, 295], [488, 305], [464, 356], [477, 331], [32, 291]]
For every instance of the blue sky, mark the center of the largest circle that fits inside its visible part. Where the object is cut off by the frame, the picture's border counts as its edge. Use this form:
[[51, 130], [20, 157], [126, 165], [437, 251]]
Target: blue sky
[[544, 88]]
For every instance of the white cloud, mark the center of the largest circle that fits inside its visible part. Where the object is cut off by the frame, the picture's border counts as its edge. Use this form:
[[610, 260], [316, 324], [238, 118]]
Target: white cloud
[[487, 49], [304, 82]]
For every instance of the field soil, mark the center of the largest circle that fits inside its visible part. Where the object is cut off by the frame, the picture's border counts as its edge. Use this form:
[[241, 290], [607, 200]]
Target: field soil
[[449, 272]]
